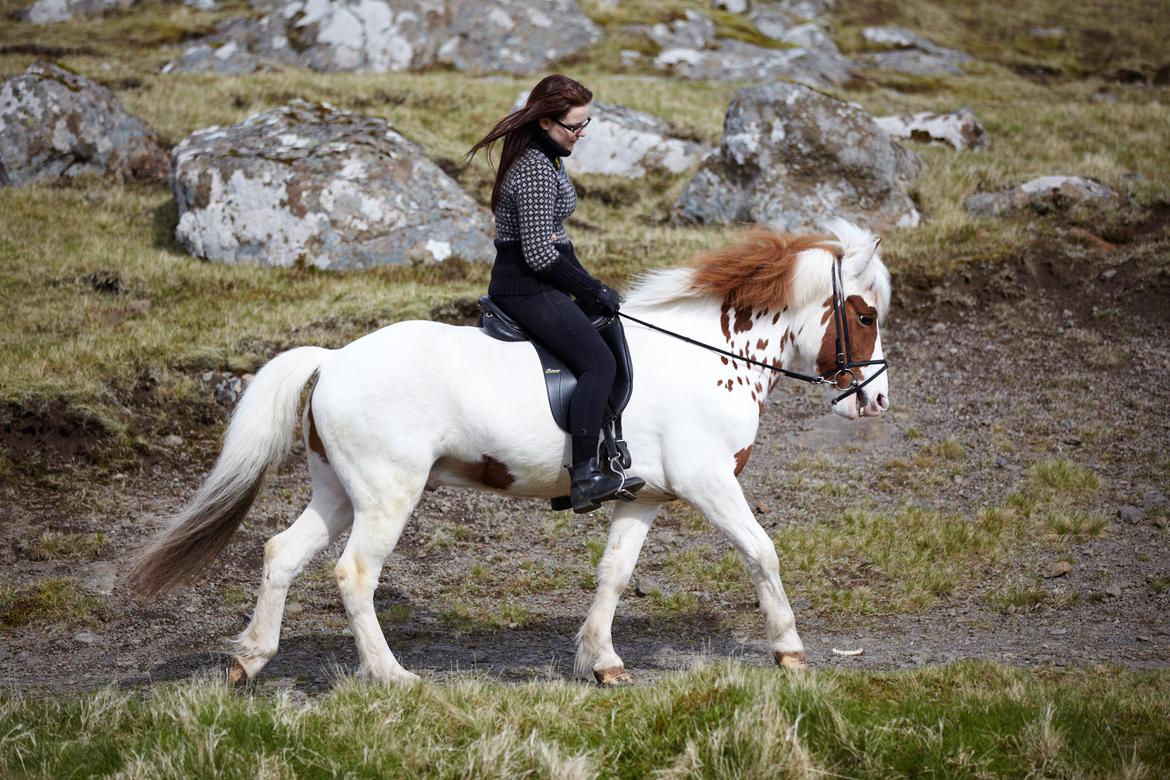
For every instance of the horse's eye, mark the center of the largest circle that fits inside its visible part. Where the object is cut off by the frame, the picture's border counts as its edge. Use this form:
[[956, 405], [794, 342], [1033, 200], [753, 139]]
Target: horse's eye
[[865, 319]]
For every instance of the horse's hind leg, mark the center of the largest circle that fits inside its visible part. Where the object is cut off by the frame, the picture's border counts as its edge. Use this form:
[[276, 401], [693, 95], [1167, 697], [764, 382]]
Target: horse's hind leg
[[378, 522], [285, 555], [627, 532]]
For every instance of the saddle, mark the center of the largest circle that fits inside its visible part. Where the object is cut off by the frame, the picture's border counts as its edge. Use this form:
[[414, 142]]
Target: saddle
[[560, 382]]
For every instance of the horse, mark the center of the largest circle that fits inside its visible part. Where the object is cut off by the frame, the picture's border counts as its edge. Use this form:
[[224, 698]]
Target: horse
[[418, 404]]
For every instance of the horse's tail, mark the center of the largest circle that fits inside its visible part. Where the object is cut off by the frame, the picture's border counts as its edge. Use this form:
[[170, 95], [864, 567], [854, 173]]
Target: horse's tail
[[259, 436]]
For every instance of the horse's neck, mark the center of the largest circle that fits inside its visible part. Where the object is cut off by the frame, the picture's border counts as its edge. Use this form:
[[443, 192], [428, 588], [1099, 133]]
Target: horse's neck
[[766, 335]]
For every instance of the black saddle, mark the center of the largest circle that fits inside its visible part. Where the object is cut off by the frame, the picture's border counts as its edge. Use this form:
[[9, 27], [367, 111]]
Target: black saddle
[[558, 379], [560, 382]]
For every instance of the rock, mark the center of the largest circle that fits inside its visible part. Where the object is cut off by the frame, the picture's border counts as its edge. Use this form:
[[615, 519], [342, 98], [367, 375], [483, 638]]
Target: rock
[[624, 142], [1113, 590], [733, 60], [228, 389], [87, 638], [308, 183], [98, 577], [761, 507], [693, 31], [172, 440], [793, 157], [1042, 195], [644, 586], [46, 11], [776, 19], [1057, 569], [1155, 498], [1130, 514], [56, 124], [227, 57], [1160, 521], [512, 36], [909, 52], [960, 129]]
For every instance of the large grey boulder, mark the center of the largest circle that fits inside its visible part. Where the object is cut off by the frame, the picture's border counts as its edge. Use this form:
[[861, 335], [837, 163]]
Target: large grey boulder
[[309, 184], [55, 124], [1042, 195], [46, 11], [959, 129], [514, 36], [793, 157], [629, 143], [906, 51], [624, 142]]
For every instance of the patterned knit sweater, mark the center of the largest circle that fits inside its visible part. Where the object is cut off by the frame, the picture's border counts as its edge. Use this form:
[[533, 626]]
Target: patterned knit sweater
[[533, 251]]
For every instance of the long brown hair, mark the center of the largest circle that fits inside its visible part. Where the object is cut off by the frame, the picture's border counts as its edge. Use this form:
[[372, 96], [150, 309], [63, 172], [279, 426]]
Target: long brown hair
[[552, 97]]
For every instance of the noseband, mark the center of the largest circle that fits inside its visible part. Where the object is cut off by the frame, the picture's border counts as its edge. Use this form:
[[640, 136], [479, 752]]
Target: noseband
[[845, 362]]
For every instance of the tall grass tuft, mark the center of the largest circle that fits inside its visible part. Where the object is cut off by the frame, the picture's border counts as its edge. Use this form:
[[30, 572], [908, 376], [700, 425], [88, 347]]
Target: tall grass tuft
[[717, 720]]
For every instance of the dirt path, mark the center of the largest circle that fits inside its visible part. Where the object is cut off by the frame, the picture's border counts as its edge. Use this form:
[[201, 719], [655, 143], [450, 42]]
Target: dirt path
[[1031, 362]]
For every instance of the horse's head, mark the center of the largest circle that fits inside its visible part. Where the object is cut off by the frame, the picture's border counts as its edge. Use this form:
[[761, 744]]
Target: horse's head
[[845, 330]]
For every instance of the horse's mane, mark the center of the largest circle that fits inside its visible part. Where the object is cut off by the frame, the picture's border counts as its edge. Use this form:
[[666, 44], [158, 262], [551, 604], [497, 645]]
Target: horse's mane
[[758, 272]]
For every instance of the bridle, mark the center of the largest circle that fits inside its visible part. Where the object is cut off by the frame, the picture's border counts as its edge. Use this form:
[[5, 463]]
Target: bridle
[[845, 362]]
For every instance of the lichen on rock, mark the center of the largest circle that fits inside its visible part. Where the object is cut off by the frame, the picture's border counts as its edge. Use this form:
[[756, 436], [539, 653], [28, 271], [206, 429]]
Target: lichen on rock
[[793, 157], [55, 123], [309, 184]]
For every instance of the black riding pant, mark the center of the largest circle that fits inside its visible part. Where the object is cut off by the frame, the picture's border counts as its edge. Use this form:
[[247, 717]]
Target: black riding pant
[[558, 323]]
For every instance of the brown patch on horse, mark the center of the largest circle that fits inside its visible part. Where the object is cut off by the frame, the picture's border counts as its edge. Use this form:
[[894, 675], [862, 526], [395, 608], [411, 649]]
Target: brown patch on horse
[[862, 339], [741, 459], [315, 443], [757, 272], [487, 471], [743, 319], [761, 344], [725, 321]]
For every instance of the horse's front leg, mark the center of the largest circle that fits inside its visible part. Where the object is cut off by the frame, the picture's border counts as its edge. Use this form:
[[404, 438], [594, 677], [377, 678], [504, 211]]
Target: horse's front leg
[[627, 532], [721, 499]]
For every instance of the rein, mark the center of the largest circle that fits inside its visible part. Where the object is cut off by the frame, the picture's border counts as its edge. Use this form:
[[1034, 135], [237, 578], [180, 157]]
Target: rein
[[845, 362]]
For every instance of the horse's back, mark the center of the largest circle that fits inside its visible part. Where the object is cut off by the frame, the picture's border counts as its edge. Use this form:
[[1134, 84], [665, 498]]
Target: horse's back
[[435, 390]]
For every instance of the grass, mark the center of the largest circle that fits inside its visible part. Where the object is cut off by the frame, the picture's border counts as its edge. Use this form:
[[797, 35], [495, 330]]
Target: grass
[[55, 600], [885, 562], [718, 720], [55, 545]]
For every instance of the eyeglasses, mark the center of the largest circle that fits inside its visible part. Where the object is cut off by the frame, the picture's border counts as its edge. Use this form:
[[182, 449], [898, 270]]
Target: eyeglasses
[[575, 129]]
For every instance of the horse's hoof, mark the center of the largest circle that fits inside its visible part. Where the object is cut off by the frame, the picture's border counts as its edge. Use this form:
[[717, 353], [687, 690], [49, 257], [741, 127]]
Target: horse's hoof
[[613, 677], [237, 676], [790, 660]]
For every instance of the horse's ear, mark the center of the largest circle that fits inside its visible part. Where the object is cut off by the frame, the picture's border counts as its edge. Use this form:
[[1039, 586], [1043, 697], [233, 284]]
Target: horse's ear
[[858, 257]]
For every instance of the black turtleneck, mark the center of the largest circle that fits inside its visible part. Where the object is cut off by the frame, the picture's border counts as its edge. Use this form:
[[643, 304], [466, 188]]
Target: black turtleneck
[[545, 143]]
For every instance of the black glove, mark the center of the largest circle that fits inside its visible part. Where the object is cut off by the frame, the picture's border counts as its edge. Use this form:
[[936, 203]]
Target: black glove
[[608, 300]]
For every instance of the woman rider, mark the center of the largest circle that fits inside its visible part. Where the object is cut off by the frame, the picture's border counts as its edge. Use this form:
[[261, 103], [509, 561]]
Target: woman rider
[[537, 278]]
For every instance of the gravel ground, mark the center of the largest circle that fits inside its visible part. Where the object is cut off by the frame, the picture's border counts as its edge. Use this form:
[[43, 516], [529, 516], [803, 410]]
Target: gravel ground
[[1035, 359]]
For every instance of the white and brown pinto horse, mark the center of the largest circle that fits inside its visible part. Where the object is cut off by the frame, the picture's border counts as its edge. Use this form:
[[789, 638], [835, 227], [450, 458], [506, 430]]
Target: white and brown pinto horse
[[417, 405]]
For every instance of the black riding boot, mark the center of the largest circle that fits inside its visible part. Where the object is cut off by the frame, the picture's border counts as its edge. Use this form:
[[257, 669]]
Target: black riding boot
[[591, 487]]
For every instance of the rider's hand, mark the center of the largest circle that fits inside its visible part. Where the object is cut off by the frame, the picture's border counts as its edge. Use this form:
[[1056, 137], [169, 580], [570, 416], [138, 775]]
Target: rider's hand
[[608, 300]]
